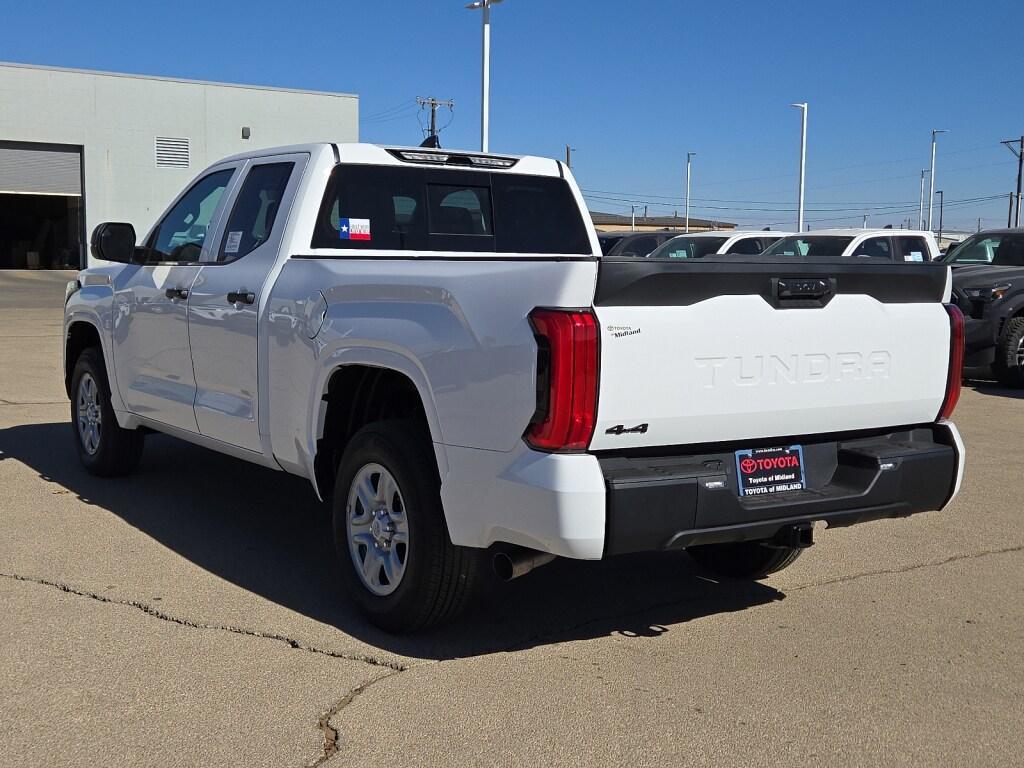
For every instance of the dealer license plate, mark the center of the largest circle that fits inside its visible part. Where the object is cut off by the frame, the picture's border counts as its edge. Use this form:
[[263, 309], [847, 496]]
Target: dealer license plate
[[762, 471]]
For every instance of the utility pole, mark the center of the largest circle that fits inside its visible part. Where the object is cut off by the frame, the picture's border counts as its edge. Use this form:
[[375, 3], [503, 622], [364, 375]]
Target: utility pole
[[931, 181], [689, 158], [865, 224], [485, 81], [632, 218], [1019, 152], [920, 207], [430, 101], [942, 200], [568, 156], [979, 223], [803, 160]]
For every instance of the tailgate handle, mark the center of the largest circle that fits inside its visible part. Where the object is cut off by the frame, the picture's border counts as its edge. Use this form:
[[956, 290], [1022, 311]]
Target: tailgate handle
[[804, 291]]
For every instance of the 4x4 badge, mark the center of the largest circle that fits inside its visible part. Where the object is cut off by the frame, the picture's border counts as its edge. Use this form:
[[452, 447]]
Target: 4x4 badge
[[619, 429]]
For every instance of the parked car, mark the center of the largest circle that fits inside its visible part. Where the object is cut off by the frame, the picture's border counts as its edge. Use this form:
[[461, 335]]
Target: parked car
[[430, 338], [632, 243], [988, 285], [876, 244], [700, 244]]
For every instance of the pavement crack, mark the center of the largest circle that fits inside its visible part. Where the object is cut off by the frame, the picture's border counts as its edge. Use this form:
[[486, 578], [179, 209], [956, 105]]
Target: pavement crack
[[331, 734], [908, 568], [149, 610]]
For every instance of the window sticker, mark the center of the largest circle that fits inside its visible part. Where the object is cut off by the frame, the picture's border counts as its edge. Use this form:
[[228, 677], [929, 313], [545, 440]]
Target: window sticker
[[914, 256], [231, 244], [354, 229]]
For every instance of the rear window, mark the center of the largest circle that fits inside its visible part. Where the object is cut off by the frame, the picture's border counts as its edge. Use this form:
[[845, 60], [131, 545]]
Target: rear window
[[429, 209]]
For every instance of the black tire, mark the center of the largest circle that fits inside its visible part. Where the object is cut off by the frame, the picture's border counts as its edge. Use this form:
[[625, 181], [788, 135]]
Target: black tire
[[748, 560], [115, 451], [1008, 366], [438, 578]]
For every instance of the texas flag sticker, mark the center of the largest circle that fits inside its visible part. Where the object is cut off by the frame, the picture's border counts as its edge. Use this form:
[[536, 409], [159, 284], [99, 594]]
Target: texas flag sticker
[[354, 229]]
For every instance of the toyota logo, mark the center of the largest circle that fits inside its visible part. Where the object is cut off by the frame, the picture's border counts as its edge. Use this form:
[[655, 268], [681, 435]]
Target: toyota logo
[[748, 466]]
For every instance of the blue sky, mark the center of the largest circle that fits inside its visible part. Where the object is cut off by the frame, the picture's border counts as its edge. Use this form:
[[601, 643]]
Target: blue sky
[[632, 86]]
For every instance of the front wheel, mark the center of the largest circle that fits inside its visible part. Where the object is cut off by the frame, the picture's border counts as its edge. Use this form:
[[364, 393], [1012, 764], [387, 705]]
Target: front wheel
[[397, 560], [103, 447], [1009, 361], [749, 560]]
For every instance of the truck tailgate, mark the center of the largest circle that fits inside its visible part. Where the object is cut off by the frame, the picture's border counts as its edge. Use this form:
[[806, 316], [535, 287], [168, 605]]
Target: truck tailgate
[[715, 351]]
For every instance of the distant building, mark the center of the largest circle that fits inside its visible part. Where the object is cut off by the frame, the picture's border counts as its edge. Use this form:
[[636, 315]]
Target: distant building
[[613, 222], [78, 148]]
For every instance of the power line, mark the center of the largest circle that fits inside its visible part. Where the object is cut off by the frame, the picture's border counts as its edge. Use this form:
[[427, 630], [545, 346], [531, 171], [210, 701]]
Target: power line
[[402, 105]]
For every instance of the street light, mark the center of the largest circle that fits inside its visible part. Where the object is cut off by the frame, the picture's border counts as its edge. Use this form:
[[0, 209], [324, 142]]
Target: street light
[[920, 206], [942, 201], [803, 160], [486, 77], [931, 182], [689, 157]]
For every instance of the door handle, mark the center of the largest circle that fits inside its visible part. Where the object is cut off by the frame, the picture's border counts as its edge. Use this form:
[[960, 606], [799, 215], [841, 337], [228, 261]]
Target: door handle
[[241, 297], [176, 293]]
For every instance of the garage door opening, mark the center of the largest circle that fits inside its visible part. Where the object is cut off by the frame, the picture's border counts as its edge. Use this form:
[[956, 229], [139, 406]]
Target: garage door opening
[[40, 231], [42, 220]]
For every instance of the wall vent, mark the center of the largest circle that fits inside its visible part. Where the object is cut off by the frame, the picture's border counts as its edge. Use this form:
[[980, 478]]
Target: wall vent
[[171, 153]]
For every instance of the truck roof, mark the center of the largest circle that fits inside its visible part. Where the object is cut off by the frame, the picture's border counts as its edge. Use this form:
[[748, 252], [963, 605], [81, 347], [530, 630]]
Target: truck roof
[[857, 231], [380, 154]]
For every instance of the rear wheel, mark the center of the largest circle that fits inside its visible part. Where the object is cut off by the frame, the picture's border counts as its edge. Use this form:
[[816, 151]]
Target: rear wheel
[[397, 560], [1009, 362], [743, 560], [103, 447]]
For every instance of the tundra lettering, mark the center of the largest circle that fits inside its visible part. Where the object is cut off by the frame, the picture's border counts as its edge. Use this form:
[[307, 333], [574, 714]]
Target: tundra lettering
[[744, 371]]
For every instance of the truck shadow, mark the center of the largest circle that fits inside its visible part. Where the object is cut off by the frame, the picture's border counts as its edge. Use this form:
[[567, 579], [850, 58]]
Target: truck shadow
[[265, 532], [993, 389]]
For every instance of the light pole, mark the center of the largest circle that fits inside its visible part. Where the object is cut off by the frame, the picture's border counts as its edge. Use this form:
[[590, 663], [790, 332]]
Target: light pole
[[920, 207], [942, 204], [689, 157], [803, 160], [931, 180], [485, 96]]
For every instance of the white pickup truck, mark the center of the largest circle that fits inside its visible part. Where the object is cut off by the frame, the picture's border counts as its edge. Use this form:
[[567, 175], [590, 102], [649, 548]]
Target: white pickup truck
[[431, 338]]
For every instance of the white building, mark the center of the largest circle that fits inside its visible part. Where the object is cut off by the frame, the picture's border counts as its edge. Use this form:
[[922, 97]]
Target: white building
[[78, 148]]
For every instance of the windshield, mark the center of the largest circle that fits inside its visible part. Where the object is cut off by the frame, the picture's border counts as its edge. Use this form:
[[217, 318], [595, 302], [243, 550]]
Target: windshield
[[1000, 250], [687, 247], [809, 245]]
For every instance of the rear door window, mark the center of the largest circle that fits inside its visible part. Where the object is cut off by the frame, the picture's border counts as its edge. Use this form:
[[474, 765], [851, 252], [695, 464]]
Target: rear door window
[[912, 248], [427, 209], [255, 210], [874, 248]]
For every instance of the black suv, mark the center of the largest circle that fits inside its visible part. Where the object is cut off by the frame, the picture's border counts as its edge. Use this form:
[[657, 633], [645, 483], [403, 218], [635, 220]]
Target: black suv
[[988, 285]]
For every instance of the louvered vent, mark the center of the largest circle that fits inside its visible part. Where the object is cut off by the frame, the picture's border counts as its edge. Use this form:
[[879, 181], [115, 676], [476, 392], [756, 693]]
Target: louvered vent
[[171, 153]]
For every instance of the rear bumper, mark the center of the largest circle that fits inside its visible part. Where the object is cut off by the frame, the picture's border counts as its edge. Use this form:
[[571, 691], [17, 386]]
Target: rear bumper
[[670, 502]]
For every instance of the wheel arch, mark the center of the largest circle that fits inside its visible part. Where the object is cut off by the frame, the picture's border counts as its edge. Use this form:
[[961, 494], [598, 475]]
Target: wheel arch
[[81, 335], [359, 391]]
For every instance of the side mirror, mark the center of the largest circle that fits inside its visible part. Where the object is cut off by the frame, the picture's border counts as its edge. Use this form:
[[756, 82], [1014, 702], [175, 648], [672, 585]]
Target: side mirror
[[113, 241]]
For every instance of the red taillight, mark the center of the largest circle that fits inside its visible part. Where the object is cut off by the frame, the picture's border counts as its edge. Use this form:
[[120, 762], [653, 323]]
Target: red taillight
[[956, 361], [566, 380]]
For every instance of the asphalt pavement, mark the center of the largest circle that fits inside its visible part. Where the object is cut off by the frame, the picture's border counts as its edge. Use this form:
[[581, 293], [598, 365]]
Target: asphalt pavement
[[191, 615]]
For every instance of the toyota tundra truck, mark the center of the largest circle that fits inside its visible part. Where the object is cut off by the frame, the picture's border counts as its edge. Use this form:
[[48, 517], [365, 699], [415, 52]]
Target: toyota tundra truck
[[432, 339]]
